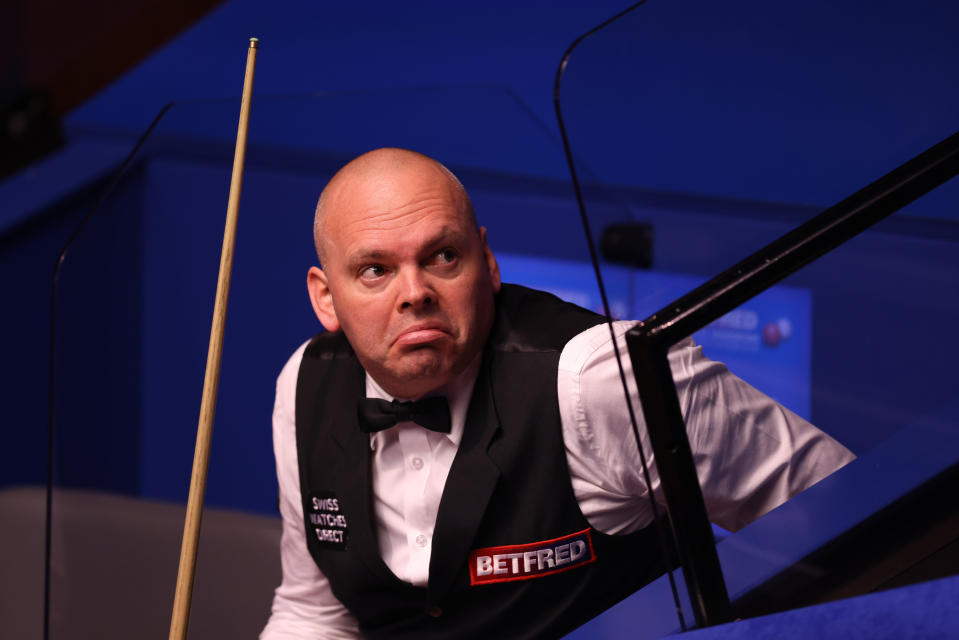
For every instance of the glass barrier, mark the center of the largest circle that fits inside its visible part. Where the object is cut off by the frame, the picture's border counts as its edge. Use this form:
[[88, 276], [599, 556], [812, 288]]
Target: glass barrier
[[713, 129]]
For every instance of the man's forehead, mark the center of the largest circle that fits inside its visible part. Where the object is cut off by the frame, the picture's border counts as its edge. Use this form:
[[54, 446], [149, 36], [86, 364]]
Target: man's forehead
[[384, 245]]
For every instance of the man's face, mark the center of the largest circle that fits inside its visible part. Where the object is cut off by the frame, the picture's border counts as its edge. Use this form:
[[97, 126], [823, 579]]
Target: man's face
[[407, 276]]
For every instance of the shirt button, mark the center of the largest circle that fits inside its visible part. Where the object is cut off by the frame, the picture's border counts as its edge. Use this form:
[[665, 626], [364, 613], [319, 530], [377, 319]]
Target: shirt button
[[417, 463], [435, 612], [421, 540]]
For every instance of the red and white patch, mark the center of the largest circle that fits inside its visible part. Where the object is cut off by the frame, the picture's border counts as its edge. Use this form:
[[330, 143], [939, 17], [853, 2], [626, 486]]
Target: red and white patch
[[531, 560]]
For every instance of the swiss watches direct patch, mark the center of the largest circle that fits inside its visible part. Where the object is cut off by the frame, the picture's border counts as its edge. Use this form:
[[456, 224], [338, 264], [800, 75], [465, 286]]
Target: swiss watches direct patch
[[531, 560], [327, 520]]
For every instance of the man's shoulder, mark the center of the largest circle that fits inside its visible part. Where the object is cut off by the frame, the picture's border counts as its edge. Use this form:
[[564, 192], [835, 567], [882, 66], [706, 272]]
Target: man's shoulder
[[529, 319]]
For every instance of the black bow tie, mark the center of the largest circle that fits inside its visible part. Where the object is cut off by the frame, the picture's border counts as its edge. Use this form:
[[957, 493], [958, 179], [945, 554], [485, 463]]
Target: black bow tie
[[432, 413]]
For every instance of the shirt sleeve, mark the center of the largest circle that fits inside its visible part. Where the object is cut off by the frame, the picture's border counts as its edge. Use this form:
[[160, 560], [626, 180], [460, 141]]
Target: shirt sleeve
[[303, 605], [751, 454]]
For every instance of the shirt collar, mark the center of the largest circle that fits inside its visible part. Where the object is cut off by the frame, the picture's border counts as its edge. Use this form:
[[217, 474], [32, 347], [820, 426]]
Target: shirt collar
[[458, 393]]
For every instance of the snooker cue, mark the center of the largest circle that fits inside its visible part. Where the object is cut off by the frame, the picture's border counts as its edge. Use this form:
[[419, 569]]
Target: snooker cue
[[201, 456]]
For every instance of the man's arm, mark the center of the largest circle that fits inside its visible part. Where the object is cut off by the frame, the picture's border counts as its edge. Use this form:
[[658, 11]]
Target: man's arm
[[751, 453], [304, 605]]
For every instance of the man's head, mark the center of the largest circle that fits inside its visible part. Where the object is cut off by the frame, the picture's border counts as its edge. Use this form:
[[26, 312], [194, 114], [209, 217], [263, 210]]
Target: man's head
[[407, 274]]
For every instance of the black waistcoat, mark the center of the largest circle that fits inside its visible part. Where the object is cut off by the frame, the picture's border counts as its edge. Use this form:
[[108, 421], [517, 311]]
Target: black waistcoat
[[509, 485]]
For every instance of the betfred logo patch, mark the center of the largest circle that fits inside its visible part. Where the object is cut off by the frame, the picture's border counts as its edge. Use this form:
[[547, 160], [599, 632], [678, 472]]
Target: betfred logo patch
[[532, 560]]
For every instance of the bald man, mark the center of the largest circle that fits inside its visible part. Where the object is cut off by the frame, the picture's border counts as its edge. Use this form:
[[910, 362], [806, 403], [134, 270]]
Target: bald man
[[454, 455]]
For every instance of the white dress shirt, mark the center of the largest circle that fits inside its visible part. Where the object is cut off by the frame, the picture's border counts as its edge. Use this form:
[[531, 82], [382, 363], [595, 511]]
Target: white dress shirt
[[751, 455]]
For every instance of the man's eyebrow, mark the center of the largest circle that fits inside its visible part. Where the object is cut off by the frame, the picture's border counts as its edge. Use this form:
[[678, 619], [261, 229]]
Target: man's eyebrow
[[443, 235], [369, 255]]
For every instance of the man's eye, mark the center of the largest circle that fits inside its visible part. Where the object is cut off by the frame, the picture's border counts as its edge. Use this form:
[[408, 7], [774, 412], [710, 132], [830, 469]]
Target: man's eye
[[445, 256], [372, 271]]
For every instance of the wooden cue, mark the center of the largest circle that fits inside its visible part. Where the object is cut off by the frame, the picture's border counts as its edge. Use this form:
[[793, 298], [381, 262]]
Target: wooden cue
[[201, 456]]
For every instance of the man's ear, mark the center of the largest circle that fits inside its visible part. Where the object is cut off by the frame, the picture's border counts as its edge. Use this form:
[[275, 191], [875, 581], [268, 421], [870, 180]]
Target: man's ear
[[491, 263], [322, 298]]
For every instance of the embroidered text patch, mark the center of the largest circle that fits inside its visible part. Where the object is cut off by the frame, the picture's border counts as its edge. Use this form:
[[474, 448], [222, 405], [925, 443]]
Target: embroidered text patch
[[326, 520], [532, 560]]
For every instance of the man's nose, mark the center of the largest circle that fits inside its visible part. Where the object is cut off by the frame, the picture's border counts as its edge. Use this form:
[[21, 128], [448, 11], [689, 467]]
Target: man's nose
[[416, 291]]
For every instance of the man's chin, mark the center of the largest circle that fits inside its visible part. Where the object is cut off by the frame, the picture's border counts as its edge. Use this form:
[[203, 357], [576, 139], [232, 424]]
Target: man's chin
[[420, 375]]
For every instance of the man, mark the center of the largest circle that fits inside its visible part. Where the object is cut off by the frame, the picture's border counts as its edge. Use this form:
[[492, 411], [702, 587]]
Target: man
[[529, 514]]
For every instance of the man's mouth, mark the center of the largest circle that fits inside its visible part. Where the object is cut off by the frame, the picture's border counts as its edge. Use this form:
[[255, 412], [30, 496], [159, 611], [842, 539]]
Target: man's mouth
[[422, 334]]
